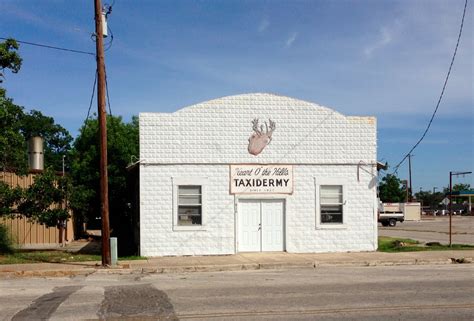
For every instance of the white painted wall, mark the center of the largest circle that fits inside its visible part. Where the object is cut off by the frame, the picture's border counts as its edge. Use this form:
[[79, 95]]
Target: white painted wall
[[202, 140]]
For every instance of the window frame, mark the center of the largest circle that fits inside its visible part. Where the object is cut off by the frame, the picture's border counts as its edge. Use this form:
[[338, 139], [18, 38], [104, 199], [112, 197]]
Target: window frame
[[331, 182], [177, 182]]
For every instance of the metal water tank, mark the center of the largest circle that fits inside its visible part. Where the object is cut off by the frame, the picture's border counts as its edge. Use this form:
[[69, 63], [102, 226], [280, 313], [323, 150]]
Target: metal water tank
[[36, 153]]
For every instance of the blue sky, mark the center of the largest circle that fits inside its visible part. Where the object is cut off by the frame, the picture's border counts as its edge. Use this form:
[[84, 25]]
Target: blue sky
[[381, 58]]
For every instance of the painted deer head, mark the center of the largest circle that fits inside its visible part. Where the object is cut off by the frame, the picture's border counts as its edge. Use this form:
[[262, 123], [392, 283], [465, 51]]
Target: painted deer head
[[261, 137]]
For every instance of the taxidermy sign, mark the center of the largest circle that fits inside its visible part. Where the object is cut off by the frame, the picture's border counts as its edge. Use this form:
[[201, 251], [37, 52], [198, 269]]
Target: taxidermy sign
[[261, 137], [261, 179]]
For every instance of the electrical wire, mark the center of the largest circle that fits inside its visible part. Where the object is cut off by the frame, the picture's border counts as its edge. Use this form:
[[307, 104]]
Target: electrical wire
[[112, 121], [92, 96], [51, 47], [109, 44], [107, 92], [440, 96], [108, 10]]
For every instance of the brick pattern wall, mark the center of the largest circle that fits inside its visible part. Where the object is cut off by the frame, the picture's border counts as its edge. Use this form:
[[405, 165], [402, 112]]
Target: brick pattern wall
[[200, 141], [217, 131], [156, 222]]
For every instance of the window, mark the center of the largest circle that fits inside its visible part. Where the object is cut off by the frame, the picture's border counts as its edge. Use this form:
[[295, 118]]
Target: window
[[331, 204], [189, 205]]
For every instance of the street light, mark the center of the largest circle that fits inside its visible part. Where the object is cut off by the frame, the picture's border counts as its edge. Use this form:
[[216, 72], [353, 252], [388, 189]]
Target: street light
[[451, 174]]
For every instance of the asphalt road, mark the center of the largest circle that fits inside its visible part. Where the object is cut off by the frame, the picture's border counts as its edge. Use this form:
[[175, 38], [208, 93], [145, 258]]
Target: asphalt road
[[434, 229], [428, 292]]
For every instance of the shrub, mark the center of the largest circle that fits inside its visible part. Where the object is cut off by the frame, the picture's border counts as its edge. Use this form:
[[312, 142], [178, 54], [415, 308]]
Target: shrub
[[6, 244]]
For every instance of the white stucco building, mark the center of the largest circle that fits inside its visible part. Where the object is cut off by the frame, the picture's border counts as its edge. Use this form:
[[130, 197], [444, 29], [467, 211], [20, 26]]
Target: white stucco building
[[256, 172]]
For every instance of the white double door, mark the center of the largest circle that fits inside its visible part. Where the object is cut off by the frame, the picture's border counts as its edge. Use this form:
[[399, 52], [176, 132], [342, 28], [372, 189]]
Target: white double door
[[260, 225]]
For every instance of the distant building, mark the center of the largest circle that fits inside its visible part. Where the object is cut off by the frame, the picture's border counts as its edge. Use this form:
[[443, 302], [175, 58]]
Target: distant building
[[28, 234], [256, 172]]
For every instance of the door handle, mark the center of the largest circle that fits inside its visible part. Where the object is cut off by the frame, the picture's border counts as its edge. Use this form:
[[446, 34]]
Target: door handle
[[259, 226]]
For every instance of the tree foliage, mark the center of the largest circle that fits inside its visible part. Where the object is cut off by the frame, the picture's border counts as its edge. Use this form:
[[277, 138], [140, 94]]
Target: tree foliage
[[461, 187], [9, 199], [57, 139], [122, 143], [10, 114], [18, 126], [9, 59], [43, 201], [391, 189], [427, 198], [12, 142]]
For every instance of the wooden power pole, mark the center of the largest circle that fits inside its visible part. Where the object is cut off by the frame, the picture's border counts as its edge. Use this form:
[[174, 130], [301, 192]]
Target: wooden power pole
[[104, 189], [410, 198]]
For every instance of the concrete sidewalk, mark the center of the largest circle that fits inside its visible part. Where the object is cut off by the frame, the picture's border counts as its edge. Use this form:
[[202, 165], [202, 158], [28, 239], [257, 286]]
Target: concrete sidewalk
[[241, 261]]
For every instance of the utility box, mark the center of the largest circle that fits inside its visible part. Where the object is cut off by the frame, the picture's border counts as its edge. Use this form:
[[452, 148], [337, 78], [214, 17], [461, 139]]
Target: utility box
[[412, 211]]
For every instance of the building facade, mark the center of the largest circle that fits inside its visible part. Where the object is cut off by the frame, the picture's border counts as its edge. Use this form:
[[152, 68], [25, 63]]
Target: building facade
[[256, 172]]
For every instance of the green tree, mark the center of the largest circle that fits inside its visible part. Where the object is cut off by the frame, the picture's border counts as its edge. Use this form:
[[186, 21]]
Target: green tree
[[9, 199], [461, 187], [12, 142], [391, 189], [10, 114], [19, 126], [122, 144], [427, 198], [41, 201], [9, 59], [57, 139]]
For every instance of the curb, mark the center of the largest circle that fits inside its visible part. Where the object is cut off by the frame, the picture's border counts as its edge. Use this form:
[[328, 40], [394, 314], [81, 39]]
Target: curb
[[129, 269]]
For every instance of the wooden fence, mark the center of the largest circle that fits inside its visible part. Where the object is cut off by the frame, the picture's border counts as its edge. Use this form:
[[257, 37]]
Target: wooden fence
[[26, 233]]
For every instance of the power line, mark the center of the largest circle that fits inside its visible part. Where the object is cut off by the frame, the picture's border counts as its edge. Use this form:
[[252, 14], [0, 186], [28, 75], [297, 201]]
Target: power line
[[440, 96], [109, 44], [50, 47], [92, 96], [107, 92]]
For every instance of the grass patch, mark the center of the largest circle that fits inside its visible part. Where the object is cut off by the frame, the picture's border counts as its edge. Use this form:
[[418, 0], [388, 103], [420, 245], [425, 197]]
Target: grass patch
[[21, 257], [392, 245], [53, 256]]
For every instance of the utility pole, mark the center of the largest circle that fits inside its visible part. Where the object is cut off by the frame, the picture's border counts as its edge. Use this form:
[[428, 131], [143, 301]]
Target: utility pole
[[450, 207], [405, 182], [410, 198], [104, 189]]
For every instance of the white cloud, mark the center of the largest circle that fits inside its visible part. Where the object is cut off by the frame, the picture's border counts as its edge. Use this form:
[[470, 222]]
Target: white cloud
[[385, 38], [263, 25], [291, 39], [42, 21]]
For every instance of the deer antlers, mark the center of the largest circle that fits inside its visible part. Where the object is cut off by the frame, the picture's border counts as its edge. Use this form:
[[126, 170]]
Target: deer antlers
[[269, 128], [261, 137]]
